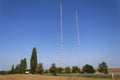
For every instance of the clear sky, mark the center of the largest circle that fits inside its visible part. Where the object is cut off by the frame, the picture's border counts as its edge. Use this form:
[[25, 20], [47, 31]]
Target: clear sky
[[25, 24]]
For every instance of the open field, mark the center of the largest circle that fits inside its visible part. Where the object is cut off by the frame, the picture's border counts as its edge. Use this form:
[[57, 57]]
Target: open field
[[43, 77], [114, 70], [63, 76]]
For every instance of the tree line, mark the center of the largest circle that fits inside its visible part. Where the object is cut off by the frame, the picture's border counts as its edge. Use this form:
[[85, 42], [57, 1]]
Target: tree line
[[37, 68]]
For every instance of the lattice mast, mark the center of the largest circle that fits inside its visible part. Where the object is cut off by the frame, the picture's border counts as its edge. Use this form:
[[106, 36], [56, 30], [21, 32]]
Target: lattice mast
[[78, 37], [61, 36]]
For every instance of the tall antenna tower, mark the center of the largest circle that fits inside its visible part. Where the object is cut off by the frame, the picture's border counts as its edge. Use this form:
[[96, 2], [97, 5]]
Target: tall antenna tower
[[78, 36], [61, 36]]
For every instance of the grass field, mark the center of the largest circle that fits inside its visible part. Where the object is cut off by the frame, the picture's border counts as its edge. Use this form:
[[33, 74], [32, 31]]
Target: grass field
[[43, 77], [48, 77]]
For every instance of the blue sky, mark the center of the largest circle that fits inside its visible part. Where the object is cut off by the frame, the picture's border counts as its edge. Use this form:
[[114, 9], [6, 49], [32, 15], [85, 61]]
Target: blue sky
[[25, 24]]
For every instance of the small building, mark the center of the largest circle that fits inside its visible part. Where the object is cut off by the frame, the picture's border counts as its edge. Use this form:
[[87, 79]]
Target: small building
[[27, 72]]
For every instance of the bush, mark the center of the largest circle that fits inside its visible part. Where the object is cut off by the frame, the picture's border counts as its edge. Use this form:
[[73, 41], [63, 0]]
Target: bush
[[60, 69], [4, 72], [102, 68], [88, 69], [67, 70], [53, 69], [75, 69], [46, 71]]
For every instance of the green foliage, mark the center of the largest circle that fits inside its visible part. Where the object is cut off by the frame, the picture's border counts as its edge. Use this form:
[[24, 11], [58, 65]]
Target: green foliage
[[17, 69], [67, 69], [102, 68], [75, 69], [60, 69], [46, 71], [21, 68], [33, 61], [88, 69], [12, 70], [40, 68], [5, 72], [23, 65], [53, 69]]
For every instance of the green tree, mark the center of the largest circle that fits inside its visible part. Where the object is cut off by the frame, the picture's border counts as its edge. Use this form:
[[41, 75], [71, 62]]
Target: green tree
[[102, 68], [17, 69], [33, 61], [23, 65], [75, 69], [88, 69], [40, 68], [53, 69], [60, 69], [12, 70], [67, 69]]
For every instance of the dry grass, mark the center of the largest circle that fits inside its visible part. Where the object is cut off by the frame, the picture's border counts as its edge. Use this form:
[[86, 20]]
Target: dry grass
[[41, 77], [114, 70]]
